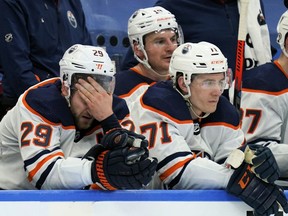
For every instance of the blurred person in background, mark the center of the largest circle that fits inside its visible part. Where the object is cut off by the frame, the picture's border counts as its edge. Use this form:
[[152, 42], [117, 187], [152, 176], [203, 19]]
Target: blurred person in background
[[34, 36]]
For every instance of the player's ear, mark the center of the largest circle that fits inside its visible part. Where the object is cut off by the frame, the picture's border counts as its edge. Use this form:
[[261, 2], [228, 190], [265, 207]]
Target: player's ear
[[137, 50], [182, 85], [64, 90]]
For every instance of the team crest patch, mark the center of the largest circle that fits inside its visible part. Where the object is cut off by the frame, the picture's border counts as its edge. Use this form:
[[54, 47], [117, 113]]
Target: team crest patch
[[8, 37], [186, 48], [72, 49], [72, 19]]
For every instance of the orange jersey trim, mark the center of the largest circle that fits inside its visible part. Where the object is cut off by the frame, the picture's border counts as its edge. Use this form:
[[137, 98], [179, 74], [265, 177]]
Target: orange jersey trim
[[41, 163], [280, 67], [136, 87], [52, 80], [265, 92], [164, 114], [132, 90], [172, 169], [221, 124], [268, 92]]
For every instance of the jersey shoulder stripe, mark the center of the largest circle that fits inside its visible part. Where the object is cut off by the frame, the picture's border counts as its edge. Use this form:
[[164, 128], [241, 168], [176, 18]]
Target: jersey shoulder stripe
[[128, 81], [163, 99], [53, 107], [269, 78], [133, 90]]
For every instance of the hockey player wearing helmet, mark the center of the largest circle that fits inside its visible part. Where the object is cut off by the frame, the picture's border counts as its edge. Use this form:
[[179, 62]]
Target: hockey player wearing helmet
[[88, 63], [203, 76], [154, 34], [192, 130], [217, 22], [264, 102], [50, 139]]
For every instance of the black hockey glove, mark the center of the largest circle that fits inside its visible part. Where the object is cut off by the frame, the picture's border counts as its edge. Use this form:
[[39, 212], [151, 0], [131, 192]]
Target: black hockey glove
[[121, 165], [120, 137], [265, 198], [263, 162]]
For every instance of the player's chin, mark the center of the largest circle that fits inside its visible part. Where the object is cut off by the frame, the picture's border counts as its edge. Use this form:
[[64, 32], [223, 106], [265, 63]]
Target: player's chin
[[166, 63], [84, 123], [211, 108]]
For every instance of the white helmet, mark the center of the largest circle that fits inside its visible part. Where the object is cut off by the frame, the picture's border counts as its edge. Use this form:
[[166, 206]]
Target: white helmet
[[81, 61], [196, 58], [282, 30], [148, 20]]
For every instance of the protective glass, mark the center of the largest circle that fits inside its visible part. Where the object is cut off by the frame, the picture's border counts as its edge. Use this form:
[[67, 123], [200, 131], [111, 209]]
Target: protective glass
[[209, 84], [161, 41], [212, 84], [107, 82]]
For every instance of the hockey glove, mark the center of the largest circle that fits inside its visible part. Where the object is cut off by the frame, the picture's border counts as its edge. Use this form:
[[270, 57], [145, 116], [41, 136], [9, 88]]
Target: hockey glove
[[263, 197], [120, 137], [121, 168], [264, 163]]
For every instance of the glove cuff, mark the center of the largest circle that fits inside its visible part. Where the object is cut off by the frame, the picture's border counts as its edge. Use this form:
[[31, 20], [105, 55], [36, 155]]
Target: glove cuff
[[99, 171], [240, 179], [109, 123]]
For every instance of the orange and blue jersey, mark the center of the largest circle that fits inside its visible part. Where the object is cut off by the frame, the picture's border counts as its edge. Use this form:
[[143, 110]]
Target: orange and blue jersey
[[187, 149], [264, 103], [40, 146]]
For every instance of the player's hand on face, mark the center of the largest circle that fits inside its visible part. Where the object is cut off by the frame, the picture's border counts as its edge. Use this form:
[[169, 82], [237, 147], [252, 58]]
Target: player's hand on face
[[98, 101]]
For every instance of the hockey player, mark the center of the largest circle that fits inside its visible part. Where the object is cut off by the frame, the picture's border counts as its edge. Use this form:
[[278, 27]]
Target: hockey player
[[264, 101], [47, 141], [192, 130], [154, 34]]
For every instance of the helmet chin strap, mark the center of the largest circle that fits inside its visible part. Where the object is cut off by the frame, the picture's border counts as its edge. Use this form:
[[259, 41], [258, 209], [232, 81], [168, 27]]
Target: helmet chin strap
[[68, 101], [147, 65], [189, 104], [190, 107]]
